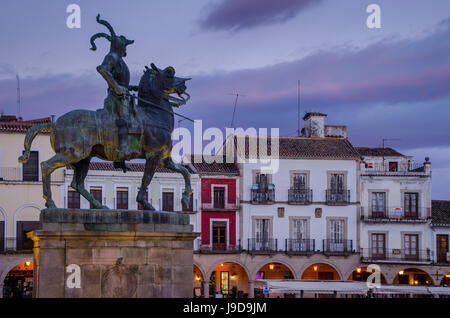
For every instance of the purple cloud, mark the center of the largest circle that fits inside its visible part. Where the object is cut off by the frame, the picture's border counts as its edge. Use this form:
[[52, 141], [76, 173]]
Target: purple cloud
[[244, 14]]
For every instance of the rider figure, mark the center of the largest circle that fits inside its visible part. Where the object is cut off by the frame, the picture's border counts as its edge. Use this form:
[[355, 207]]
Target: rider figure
[[117, 75]]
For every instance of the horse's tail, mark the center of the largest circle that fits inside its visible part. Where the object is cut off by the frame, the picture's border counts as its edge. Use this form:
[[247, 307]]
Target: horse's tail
[[31, 134]]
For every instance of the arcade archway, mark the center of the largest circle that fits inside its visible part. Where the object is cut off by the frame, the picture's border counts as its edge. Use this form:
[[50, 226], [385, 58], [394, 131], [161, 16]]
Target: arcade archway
[[229, 280], [321, 271], [198, 282], [413, 276], [18, 282], [360, 274], [274, 271]]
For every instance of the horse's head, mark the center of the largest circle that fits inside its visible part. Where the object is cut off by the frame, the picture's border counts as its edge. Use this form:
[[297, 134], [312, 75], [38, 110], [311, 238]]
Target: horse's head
[[164, 82]]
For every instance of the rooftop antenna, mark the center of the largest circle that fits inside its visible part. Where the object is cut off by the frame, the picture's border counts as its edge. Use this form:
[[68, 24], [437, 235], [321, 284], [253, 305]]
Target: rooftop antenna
[[18, 96], [234, 110], [298, 108]]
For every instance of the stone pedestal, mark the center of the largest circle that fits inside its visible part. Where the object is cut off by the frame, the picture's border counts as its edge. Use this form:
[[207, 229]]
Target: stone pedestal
[[113, 253]]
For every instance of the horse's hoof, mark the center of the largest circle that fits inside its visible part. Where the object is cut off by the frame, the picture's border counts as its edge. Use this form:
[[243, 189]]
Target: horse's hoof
[[148, 207], [50, 204], [104, 207]]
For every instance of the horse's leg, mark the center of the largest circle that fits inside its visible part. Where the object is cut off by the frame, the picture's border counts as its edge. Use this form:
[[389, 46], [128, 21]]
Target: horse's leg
[[47, 167], [80, 171], [151, 163], [168, 163]]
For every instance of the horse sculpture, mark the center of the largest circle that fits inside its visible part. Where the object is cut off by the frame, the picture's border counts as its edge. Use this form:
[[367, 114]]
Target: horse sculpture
[[79, 135]]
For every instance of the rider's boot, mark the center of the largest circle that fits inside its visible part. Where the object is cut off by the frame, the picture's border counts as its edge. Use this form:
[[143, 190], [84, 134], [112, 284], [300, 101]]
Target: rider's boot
[[123, 145]]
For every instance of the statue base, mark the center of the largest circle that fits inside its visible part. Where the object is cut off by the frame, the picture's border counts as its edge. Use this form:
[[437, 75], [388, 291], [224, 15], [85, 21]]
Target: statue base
[[113, 253]]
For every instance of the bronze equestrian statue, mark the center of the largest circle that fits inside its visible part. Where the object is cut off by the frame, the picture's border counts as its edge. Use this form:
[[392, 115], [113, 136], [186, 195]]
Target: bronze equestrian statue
[[80, 135]]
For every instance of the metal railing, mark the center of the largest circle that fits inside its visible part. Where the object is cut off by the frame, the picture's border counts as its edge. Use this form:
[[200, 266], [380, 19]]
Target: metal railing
[[226, 206], [302, 196], [15, 174], [337, 196], [337, 246], [217, 248], [396, 213], [402, 167], [300, 245], [263, 245], [14, 244], [263, 196], [395, 255]]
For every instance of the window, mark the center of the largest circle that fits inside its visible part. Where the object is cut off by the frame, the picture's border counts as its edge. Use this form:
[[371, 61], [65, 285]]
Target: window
[[73, 199], [23, 227], [96, 192], [167, 201], [262, 180], [191, 204], [30, 169], [299, 229], [262, 229], [337, 183], [393, 166], [140, 206], [122, 198], [378, 204], [411, 204], [299, 181], [219, 235], [411, 243], [378, 246], [442, 247], [337, 230], [219, 197]]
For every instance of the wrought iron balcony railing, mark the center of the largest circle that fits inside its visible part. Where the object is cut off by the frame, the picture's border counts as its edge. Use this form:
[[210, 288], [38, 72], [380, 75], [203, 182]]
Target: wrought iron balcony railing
[[395, 255], [300, 196], [331, 246], [15, 174], [340, 196], [263, 196], [213, 248], [300, 245], [263, 245], [395, 213]]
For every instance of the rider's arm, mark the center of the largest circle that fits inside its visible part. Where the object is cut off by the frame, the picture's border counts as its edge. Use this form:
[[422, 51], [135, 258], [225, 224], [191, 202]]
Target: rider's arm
[[105, 69]]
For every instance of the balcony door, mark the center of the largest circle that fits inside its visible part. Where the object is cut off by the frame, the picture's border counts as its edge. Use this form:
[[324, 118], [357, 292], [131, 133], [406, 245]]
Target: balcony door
[[262, 232], [337, 187], [219, 197], [337, 236], [378, 246], [30, 169], [442, 248], [378, 204], [299, 191], [167, 201], [411, 204], [411, 244], [219, 235], [300, 235]]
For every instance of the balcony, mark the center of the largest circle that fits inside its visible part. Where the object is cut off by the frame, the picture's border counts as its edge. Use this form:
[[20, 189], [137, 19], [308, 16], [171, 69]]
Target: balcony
[[337, 247], [395, 255], [402, 169], [217, 248], [263, 195], [300, 196], [337, 197], [300, 246], [16, 245], [394, 214], [220, 207], [269, 245], [15, 174]]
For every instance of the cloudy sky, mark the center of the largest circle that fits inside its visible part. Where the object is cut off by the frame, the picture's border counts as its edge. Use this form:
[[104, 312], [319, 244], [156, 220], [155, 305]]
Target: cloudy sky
[[392, 82]]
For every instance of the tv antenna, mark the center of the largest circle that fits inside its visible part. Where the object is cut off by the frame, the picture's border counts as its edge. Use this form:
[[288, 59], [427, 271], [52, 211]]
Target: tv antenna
[[298, 108], [235, 105], [18, 96]]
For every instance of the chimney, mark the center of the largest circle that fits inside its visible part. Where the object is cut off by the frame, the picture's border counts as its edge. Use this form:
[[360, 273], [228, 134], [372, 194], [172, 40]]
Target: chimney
[[314, 125]]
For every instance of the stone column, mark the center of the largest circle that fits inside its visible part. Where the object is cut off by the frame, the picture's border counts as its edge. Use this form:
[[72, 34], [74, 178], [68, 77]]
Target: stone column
[[206, 288], [251, 289]]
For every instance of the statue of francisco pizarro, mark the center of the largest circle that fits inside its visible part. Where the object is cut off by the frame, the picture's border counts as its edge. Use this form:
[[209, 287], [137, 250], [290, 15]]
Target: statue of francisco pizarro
[[117, 75]]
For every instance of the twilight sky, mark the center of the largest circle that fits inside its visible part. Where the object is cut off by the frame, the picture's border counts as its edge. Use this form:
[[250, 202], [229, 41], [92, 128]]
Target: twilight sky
[[392, 82]]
